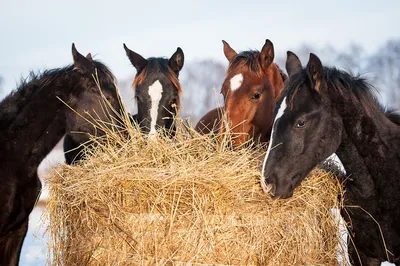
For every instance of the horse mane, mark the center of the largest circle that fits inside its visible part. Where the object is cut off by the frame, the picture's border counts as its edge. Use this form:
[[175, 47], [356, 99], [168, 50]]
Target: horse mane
[[392, 114], [339, 80], [343, 82], [283, 74], [251, 60], [34, 83], [12, 104]]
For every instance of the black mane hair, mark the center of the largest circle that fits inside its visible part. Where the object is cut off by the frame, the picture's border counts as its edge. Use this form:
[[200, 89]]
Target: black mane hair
[[343, 82], [35, 82]]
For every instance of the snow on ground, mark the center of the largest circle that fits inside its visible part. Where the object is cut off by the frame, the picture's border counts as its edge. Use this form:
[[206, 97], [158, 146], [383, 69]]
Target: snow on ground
[[34, 250], [342, 254]]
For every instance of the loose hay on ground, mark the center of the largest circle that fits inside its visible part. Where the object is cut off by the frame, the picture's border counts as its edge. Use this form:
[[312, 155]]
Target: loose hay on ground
[[185, 202]]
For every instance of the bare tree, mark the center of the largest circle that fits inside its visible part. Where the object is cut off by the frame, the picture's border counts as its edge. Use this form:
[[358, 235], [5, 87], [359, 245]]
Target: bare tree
[[352, 59], [201, 82], [127, 94], [385, 63]]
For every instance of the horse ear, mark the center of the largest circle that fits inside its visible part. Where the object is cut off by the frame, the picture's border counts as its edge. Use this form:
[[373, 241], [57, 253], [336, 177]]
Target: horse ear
[[267, 54], [228, 51], [315, 71], [293, 64], [176, 61], [136, 59], [89, 56], [81, 63]]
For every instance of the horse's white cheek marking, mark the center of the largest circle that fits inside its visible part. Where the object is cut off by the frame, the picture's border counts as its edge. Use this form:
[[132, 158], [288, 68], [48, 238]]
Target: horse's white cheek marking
[[271, 144], [236, 82], [155, 92]]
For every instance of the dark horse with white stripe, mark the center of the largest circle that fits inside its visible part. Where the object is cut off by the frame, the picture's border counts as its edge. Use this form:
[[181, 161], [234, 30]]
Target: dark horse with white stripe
[[323, 111], [34, 117], [157, 90], [252, 85]]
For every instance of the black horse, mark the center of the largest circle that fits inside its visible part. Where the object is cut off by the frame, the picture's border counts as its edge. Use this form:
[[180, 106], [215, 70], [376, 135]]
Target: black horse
[[34, 117], [323, 111], [157, 90], [92, 112]]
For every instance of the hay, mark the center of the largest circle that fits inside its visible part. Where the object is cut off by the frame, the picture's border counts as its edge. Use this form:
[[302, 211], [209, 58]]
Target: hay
[[184, 202]]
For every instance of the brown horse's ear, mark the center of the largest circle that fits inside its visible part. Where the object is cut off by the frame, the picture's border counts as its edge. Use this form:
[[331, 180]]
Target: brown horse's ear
[[136, 59], [176, 61], [228, 51], [267, 54], [293, 64], [315, 71], [89, 56], [81, 63]]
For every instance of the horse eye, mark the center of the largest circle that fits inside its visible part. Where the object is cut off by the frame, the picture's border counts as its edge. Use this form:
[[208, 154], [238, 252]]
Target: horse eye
[[301, 124], [256, 95]]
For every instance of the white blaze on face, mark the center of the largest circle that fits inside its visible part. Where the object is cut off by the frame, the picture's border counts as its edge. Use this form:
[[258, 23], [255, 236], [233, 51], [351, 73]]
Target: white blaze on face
[[271, 144], [155, 92], [236, 82]]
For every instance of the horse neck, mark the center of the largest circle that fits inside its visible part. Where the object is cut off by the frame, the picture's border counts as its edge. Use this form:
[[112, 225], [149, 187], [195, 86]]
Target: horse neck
[[362, 182], [274, 77], [370, 145], [39, 124]]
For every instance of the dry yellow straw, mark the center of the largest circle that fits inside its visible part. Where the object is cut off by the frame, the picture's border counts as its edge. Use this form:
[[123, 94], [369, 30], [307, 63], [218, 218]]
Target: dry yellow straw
[[184, 201]]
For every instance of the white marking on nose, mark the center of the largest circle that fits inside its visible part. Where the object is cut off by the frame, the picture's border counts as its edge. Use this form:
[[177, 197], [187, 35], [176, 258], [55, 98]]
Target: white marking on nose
[[155, 92], [236, 82], [271, 144]]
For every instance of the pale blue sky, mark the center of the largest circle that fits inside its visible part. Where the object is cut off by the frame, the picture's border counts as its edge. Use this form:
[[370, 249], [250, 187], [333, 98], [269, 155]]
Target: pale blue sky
[[38, 34]]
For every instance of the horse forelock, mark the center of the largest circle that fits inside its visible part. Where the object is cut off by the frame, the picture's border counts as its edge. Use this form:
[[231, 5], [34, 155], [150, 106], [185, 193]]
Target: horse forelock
[[247, 61], [159, 67]]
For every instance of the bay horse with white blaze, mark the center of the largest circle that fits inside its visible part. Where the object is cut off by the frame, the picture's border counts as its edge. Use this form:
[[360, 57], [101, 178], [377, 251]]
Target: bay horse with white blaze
[[251, 87], [34, 117], [157, 91], [322, 111]]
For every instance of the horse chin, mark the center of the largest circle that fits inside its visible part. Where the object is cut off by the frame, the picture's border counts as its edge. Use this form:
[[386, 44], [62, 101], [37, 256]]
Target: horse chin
[[286, 195], [284, 192], [274, 193]]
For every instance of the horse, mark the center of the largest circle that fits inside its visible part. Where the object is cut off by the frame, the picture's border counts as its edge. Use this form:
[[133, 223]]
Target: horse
[[251, 87], [34, 117], [321, 111], [81, 127], [157, 91]]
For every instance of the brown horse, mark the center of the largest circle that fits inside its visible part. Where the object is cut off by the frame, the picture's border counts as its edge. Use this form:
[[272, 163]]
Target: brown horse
[[251, 87]]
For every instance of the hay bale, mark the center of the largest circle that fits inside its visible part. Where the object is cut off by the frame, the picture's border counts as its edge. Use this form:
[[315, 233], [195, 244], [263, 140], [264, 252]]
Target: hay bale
[[185, 202]]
